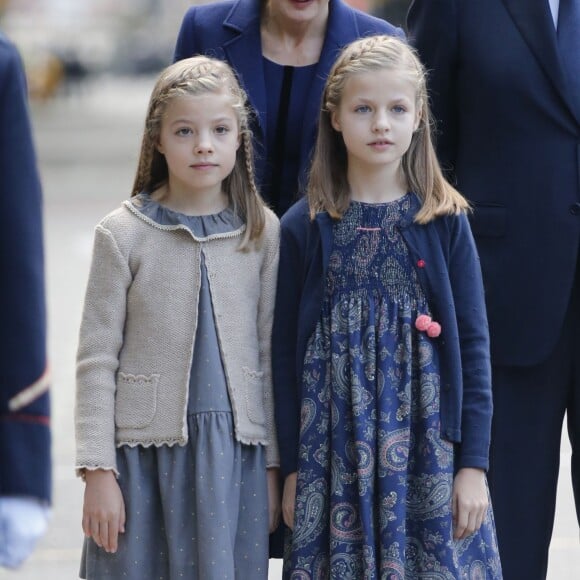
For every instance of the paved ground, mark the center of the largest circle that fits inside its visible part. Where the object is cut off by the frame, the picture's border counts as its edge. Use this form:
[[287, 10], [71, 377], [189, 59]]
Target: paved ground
[[88, 146]]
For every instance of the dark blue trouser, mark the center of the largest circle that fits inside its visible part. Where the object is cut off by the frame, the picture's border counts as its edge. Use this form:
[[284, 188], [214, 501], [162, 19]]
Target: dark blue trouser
[[529, 408]]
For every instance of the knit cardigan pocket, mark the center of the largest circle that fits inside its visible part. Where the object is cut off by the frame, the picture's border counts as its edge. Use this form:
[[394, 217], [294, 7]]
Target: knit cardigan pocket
[[135, 400], [254, 390]]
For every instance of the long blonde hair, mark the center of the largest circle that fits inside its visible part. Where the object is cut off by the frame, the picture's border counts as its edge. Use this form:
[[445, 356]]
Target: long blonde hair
[[196, 76], [328, 188]]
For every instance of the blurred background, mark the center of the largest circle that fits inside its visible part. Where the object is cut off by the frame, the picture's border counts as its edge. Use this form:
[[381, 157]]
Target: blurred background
[[91, 65], [65, 42]]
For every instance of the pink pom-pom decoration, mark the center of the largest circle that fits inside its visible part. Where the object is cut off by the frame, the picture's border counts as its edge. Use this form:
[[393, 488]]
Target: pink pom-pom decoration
[[422, 323], [434, 330]]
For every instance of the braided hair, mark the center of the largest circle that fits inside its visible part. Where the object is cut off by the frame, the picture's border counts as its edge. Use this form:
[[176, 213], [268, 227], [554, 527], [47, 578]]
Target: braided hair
[[328, 188], [196, 76]]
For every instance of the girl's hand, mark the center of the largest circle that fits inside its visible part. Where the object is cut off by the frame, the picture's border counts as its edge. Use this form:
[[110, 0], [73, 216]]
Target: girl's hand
[[470, 501], [103, 509], [289, 500], [273, 499]]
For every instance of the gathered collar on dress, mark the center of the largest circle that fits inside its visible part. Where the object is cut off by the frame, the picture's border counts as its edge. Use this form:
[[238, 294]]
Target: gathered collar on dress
[[226, 221]]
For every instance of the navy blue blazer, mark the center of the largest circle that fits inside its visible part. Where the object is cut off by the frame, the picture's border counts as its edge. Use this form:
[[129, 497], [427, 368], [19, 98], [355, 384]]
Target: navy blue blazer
[[510, 137], [449, 273], [230, 31], [24, 405]]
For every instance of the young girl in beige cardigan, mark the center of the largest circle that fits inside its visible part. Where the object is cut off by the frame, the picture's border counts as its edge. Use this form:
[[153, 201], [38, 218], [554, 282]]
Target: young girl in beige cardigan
[[174, 414]]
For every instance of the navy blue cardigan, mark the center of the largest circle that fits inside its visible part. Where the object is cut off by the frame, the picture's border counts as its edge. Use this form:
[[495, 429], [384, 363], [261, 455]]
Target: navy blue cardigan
[[449, 272]]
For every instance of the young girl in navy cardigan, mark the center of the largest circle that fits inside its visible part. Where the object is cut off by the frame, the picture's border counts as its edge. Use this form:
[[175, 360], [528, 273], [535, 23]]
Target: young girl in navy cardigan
[[380, 347]]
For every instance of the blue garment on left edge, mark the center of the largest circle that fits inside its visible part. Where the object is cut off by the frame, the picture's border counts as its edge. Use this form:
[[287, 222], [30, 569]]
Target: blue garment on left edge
[[375, 478]]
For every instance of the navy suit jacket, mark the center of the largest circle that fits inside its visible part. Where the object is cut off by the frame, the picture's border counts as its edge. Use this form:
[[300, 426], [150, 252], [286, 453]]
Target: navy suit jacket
[[230, 31], [511, 140], [450, 277], [24, 405]]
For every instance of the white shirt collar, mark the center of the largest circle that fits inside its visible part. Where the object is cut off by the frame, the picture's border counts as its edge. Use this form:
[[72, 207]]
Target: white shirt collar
[[555, 8]]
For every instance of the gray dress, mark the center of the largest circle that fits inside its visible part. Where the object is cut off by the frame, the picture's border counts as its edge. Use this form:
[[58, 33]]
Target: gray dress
[[199, 511]]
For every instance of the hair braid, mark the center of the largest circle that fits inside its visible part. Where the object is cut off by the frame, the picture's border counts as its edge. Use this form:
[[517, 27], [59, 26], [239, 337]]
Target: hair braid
[[328, 188], [194, 76]]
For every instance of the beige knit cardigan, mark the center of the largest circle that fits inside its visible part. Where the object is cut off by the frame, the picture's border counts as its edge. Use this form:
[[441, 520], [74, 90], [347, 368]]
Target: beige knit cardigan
[[138, 332]]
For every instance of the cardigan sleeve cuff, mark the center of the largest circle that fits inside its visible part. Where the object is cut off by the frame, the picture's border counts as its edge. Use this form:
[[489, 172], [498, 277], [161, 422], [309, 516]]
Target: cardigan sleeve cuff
[[474, 461]]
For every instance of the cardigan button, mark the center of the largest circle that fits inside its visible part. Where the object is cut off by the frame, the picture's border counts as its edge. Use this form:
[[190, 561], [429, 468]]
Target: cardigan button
[[575, 208]]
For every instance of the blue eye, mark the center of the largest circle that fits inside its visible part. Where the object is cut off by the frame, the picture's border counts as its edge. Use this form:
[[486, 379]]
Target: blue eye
[[183, 131], [399, 109], [222, 130], [362, 109]]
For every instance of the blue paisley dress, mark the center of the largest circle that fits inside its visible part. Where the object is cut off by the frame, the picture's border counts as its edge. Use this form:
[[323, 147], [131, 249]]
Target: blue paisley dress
[[375, 477]]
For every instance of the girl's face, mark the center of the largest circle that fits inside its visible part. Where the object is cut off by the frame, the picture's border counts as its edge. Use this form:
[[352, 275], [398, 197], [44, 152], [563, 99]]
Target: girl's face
[[377, 116], [199, 138]]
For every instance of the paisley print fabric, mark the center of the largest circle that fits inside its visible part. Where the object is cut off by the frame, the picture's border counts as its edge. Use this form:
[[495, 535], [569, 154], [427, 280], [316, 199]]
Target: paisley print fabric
[[375, 477]]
